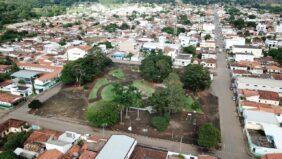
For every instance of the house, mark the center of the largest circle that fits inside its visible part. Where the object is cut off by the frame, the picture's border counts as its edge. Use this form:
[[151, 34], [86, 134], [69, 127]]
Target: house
[[263, 132], [5, 68], [22, 153], [229, 42], [271, 43], [12, 126], [256, 51], [243, 57], [209, 63], [182, 60], [265, 97], [51, 154], [278, 28], [75, 53], [261, 28], [208, 27], [52, 48], [273, 69], [118, 147], [8, 100], [209, 55], [259, 84]]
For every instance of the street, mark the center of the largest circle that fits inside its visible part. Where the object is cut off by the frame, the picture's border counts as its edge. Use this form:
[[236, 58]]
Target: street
[[233, 145]]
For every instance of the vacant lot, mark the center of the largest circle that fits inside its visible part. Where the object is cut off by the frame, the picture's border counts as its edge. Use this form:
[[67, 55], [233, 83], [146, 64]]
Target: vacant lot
[[69, 102]]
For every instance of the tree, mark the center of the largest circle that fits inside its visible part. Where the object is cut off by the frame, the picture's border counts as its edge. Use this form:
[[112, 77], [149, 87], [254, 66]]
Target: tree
[[252, 16], [159, 102], [239, 23], [124, 26], [160, 122], [189, 50], [15, 140], [156, 67], [127, 96], [276, 54], [209, 136], [103, 113], [196, 105], [35, 104], [175, 93], [8, 155], [85, 69], [111, 27], [183, 19], [168, 30], [207, 37], [196, 77]]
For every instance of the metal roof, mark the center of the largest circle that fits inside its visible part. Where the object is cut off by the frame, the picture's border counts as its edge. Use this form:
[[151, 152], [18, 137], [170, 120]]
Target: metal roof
[[117, 147], [25, 74]]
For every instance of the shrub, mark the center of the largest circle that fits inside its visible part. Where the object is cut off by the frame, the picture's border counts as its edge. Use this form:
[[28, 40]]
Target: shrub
[[35, 104], [15, 140], [160, 122]]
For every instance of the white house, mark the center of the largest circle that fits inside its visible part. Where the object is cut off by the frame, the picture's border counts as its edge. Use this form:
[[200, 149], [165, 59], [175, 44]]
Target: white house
[[278, 28], [256, 51], [243, 57], [261, 28], [271, 43], [52, 48], [77, 52], [182, 60], [229, 42], [208, 27], [209, 55]]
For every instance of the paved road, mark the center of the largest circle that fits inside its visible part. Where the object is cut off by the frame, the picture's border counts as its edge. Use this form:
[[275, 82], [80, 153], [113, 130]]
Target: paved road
[[234, 146]]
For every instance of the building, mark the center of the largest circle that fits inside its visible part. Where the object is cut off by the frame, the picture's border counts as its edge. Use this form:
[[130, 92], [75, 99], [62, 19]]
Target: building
[[118, 147], [256, 51], [261, 28], [243, 57], [8, 100], [77, 52], [182, 60], [12, 126], [259, 84], [5, 68], [263, 132], [229, 42]]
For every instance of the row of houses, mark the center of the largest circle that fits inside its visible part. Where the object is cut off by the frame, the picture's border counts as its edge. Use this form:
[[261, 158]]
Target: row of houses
[[51, 144]]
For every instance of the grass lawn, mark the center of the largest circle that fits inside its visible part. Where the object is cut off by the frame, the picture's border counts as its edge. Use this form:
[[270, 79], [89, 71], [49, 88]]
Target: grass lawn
[[100, 82], [107, 93], [189, 101], [118, 73], [144, 86]]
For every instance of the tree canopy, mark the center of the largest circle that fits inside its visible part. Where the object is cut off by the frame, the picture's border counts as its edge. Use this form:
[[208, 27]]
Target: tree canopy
[[189, 50], [196, 77], [276, 54], [103, 114], [209, 136], [156, 67], [85, 69]]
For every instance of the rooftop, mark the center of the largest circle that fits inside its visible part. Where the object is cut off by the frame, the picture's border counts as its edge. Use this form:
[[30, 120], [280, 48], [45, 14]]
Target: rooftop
[[25, 74], [117, 147]]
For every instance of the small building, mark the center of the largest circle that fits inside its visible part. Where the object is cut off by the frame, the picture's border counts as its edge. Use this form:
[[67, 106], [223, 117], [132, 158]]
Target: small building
[[11, 126], [118, 147], [256, 51], [182, 60], [8, 100], [5, 68]]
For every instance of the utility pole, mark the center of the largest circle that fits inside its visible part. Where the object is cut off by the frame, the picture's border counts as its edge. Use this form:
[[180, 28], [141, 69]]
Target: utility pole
[[180, 144]]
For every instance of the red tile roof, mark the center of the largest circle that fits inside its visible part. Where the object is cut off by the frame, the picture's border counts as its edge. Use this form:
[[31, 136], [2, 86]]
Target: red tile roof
[[11, 123], [268, 95], [272, 156], [9, 98], [42, 135], [87, 154], [51, 154], [72, 152]]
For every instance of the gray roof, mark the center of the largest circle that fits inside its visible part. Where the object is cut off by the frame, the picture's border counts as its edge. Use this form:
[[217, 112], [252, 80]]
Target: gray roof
[[58, 142], [25, 74], [246, 46], [260, 81], [117, 147], [260, 117]]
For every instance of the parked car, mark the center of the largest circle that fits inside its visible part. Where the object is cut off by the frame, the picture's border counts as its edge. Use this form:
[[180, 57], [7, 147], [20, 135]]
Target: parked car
[[234, 98]]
